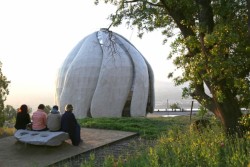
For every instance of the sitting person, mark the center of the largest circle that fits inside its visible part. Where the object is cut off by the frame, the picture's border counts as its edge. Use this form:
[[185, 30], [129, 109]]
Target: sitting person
[[69, 124], [22, 118], [39, 119], [54, 119]]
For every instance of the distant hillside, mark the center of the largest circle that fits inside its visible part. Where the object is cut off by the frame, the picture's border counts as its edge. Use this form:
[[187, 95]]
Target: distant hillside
[[166, 92]]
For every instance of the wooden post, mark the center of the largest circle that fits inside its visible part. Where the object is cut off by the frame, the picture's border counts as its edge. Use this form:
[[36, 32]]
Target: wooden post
[[192, 104]]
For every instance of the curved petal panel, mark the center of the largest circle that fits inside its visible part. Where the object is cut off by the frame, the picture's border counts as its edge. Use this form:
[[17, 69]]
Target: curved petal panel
[[114, 81], [63, 70], [82, 76], [141, 80]]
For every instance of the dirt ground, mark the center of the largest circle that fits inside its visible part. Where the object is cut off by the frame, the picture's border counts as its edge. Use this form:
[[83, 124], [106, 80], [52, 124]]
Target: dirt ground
[[15, 153]]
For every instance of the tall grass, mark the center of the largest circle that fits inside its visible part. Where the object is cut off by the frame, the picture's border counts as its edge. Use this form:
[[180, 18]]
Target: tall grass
[[211, 148], [181, 147]]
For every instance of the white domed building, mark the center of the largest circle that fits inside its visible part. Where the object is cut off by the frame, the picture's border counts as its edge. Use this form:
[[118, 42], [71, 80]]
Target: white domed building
[[105, 76]]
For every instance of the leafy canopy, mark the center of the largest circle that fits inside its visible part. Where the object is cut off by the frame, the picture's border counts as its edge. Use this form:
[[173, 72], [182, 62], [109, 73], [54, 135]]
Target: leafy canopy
[[3, 94], [211, 45]]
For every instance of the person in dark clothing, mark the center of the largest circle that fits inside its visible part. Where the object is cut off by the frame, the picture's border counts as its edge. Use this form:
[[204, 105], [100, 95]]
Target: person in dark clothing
[[70, 125], [22, 118]]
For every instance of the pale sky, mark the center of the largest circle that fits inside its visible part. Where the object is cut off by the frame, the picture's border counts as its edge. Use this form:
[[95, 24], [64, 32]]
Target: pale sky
[[37, 35]]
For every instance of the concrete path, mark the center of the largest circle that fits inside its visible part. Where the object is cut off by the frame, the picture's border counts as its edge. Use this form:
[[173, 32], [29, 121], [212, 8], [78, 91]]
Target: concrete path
[[14, 153]]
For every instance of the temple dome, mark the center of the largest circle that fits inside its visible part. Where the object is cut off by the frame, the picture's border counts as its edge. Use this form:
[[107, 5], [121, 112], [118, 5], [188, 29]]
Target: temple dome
[[105, 76]]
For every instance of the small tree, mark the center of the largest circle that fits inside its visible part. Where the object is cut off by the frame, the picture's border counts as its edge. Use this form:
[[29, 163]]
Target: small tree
[[175, 106], [3, 94], [47, 109], [202, 111], [9, 113]]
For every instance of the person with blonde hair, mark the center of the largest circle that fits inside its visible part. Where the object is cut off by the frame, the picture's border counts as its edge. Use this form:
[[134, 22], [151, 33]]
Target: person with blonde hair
[[70, 125]]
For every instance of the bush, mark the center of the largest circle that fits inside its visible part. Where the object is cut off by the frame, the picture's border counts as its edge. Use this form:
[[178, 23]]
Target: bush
[[245, 122], [4, 132]]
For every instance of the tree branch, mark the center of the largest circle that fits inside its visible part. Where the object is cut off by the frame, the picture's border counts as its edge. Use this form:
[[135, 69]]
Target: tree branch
[[178, 16], [150, 3], [200, 95], [206, 22], [206, 15], [248, 13], [132, 1]]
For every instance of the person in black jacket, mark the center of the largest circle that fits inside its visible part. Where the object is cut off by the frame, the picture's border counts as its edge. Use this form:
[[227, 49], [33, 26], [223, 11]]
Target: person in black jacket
[[69, 125], [22, 118]]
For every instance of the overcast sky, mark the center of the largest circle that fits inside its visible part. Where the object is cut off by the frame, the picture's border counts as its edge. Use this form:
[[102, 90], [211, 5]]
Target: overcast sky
[[37, 35]]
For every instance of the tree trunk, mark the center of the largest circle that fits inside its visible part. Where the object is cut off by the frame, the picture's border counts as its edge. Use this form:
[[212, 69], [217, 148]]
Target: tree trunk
[[229, 113]]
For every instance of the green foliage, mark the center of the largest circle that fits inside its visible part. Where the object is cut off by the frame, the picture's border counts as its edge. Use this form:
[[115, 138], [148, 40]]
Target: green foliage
[[2, 119], [202, 111], [90, 162], [245, 122], [193, 149], [10, 113], [175, 106], [3, 94]]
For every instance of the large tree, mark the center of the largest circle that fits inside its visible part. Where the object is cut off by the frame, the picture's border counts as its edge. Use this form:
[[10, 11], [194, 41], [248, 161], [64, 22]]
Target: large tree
[[3, 94], [211, 48]]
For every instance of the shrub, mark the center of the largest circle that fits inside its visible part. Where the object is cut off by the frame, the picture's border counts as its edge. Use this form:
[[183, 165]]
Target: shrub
[[4, 132]]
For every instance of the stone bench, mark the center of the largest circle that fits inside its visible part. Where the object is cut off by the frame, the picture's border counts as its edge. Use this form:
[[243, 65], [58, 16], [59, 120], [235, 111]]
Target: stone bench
[[41, 137]]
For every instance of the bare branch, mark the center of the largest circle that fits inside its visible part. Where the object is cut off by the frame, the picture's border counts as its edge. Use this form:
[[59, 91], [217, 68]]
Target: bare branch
[[150, 3], [132, 1]]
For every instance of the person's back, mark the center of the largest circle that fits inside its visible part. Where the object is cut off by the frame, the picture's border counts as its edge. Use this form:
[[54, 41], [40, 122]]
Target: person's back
[[39, 119], [22, 118], [70, 125], [54, 119], [68, 122]]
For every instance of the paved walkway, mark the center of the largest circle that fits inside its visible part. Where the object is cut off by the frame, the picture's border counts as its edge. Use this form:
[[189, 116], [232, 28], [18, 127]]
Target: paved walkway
[[14, 153]]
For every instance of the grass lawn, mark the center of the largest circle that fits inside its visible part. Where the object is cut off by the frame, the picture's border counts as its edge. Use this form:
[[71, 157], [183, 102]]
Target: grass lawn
[[149, 128]]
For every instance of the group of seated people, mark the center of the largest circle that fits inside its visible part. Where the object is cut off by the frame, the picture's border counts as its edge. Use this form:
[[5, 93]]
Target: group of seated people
[[54, 121]]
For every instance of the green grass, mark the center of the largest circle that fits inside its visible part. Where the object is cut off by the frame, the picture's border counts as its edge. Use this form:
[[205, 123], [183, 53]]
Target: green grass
[[149, 128]]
